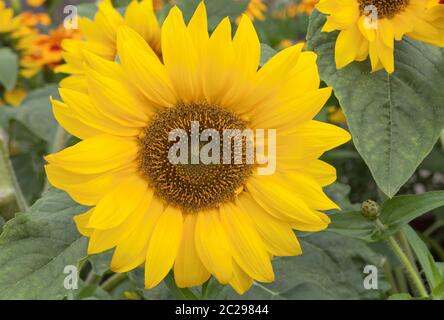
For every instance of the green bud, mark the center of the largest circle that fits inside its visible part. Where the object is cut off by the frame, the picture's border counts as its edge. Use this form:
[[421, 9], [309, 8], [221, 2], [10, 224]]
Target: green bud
[[370, 210]]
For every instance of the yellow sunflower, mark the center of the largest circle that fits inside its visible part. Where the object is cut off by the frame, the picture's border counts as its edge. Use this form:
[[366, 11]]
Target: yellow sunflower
[[370, 27], [224, 220], [100, 36]]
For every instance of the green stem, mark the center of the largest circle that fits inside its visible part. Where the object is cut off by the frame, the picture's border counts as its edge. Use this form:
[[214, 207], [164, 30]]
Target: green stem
[[112, 282], [10, 176], [414, 276], [401, 280], [390, 278], [404, 243]]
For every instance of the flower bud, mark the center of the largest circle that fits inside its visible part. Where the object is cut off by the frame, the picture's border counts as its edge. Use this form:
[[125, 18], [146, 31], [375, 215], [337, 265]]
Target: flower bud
[[370, 210]]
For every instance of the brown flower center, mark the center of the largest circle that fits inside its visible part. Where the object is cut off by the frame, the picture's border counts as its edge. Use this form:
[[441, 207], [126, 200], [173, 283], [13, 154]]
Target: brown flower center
[[192, 186], [385, 8]]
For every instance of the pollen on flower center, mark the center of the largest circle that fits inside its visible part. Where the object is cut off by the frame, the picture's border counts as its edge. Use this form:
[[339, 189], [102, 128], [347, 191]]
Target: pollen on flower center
[[191, 187], [386, 8]]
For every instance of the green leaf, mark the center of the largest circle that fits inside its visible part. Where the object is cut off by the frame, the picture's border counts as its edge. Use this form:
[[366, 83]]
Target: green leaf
[[353, 224], [9, 68], [399, 211], [267, 53], [27, 160], [424, 256], [36, 113], [395, 214], [438, 291], [396, 119], [7, 192], [101, 262], [87, 10], [160, 292], [349, 221], [400, 296], [339, 192], [331, 267], [36, 246]]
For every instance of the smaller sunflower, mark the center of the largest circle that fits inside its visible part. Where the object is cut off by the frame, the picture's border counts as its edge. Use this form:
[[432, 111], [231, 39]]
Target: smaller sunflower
[[361, 36], [100, 34]]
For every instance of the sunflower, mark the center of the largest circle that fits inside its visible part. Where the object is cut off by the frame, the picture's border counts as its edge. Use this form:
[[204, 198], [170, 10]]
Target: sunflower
[[224, 220], [360, 36], [100, 36]]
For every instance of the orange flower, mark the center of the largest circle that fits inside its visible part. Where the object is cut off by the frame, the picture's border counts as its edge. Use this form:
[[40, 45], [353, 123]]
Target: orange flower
[[31, 19], [46, 50]]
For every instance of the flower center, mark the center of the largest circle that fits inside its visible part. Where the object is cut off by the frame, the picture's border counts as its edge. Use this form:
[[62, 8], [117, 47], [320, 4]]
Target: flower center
[[385, 8], [192, 185]]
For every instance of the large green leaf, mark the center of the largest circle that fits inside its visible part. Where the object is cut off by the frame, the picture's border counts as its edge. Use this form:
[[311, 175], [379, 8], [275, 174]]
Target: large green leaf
[[8, 67], [331, 267], [396, 119], [36, 246], [35, 113]]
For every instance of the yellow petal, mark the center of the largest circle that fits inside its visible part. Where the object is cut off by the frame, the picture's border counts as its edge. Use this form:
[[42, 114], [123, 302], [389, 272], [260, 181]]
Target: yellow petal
[[131, 251], [248, 248], [102, 240], [86, 189], [118, 204], [148, 73], [70, 123], [188, 268], [81, 221], [277, 235], [240, 281], [179, 55], [96, 155], [213, 246], [163, 246]]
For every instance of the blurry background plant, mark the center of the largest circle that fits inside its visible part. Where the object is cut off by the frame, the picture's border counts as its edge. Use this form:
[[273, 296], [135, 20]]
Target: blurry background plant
[[401, 161]]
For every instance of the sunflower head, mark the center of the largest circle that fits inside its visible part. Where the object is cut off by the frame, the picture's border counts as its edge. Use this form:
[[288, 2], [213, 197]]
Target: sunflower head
[[197, 217]]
